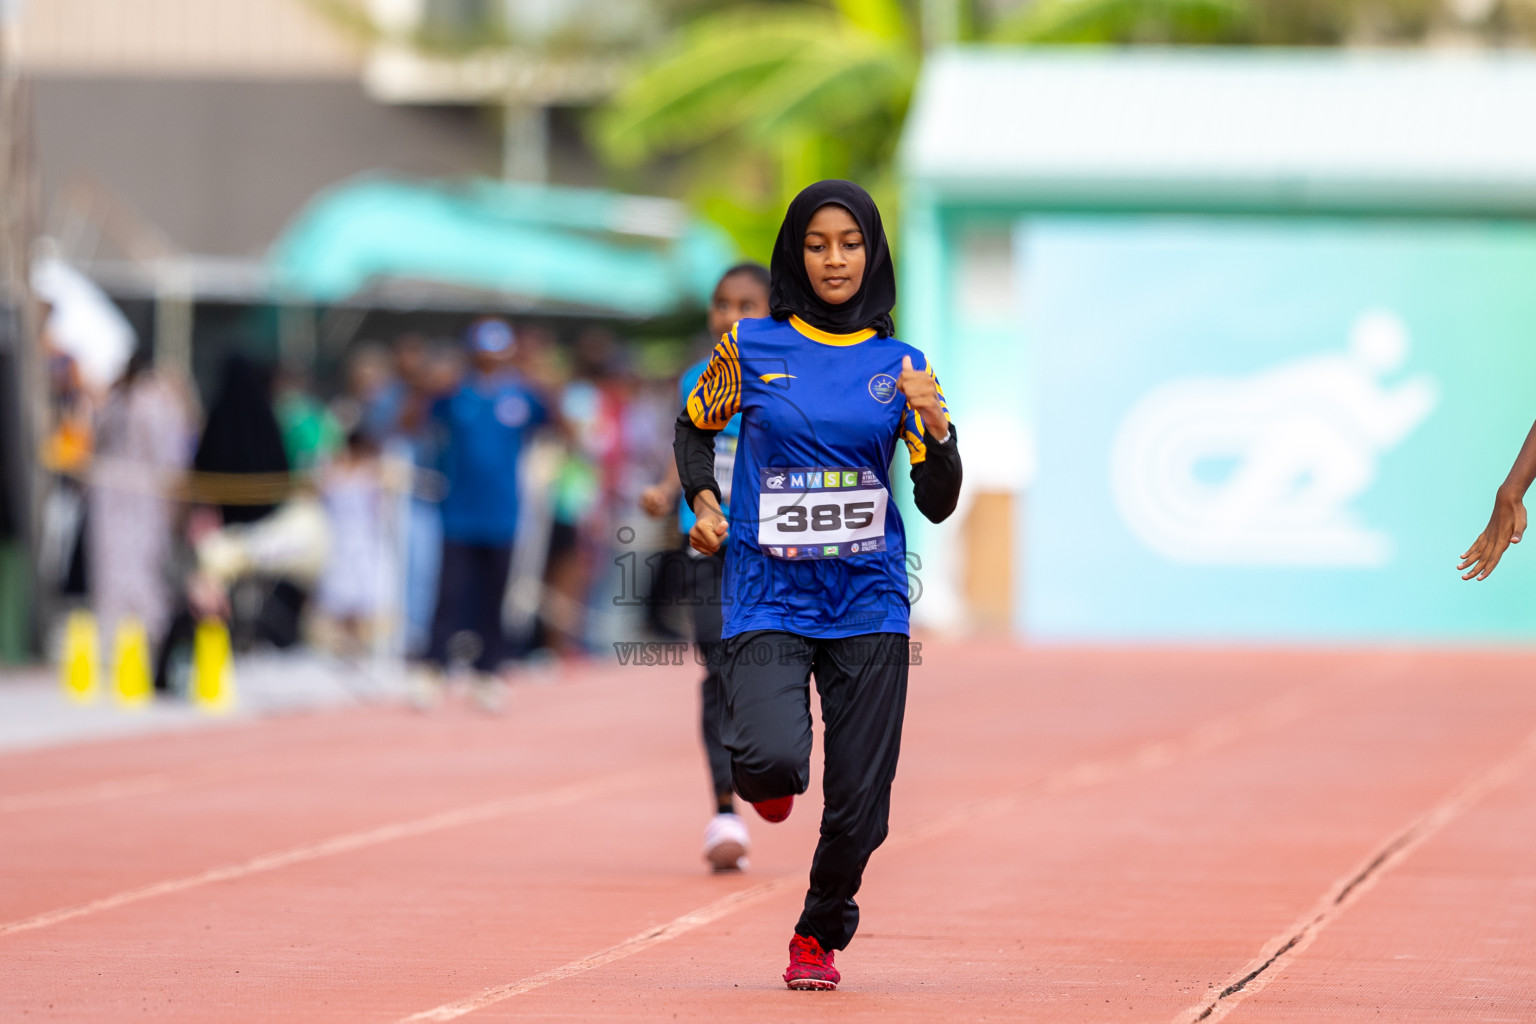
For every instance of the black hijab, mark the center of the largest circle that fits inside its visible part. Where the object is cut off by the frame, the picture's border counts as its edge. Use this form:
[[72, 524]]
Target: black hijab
[[242, 434], [791, 291]]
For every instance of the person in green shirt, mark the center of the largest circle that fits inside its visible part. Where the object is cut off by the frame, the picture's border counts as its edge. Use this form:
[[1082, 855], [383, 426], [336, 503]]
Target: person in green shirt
[[310, 432]]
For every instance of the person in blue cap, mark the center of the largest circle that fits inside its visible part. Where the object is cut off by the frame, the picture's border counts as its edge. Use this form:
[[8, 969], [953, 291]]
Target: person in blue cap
[[484, 426]]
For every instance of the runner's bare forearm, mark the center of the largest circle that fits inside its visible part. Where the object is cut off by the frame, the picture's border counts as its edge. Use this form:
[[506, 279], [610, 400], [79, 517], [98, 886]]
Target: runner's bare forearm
[[1524, 470]]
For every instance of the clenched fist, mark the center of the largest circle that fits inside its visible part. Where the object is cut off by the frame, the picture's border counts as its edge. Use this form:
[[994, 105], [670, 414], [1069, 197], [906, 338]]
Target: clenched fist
[[710, 530], [922, 393]]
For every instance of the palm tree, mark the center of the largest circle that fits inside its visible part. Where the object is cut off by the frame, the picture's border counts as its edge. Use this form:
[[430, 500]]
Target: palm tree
[[758, 100]]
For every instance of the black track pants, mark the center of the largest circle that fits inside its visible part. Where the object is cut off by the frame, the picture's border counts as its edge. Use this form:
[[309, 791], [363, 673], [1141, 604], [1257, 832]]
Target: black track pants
[[862, 681], [702, 593], [469, 593]]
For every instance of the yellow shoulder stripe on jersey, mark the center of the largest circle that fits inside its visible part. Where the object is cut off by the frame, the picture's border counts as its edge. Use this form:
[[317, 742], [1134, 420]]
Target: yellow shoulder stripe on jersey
[[913, 435], [768, 378], [915, 447], [717, 395], [827, 337]]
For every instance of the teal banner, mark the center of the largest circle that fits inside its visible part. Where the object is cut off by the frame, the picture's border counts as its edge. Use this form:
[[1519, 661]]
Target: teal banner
[[1271, 429]]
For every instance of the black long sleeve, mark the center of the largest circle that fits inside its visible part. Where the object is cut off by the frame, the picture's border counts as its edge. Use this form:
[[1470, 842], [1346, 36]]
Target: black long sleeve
[[694, 449], [936, 480]]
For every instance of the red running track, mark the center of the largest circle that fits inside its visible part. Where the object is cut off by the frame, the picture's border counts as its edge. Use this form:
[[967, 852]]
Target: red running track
[[1077, 836]]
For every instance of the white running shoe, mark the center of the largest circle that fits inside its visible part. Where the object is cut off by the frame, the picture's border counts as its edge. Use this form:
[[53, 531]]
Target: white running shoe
[[725, 843], [424, 689], [489, 694]]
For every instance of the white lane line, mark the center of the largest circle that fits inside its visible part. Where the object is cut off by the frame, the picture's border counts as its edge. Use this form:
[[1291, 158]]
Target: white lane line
[[229, 769], [140, 786], [704, 915], [1279, 951], [1146, 757], [575, 792]]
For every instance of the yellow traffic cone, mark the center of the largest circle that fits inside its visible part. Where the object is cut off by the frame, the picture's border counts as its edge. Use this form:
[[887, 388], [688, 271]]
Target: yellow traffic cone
[[213, 671], [77, 666], [132, 683]]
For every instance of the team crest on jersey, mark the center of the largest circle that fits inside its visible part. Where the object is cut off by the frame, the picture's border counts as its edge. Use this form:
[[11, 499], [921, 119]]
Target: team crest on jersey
[[512, 411], [882, 387]]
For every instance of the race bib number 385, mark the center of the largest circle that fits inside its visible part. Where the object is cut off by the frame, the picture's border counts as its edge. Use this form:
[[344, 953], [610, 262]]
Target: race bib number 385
[[820, 512]]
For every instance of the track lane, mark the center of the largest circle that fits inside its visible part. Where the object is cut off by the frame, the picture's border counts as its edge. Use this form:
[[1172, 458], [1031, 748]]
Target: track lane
[[1116, 902], [407, 926]]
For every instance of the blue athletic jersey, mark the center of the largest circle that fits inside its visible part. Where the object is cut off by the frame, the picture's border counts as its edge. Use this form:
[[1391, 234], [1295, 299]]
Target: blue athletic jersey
[[725, 449], [487, 422], [816, 545]]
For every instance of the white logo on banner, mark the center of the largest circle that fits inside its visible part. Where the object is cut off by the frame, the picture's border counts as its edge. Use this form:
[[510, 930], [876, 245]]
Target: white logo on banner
[[1284, 453]]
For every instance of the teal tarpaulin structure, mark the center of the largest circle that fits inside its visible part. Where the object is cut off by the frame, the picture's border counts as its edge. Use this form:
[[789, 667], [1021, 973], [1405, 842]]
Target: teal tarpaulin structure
[[539, 247]]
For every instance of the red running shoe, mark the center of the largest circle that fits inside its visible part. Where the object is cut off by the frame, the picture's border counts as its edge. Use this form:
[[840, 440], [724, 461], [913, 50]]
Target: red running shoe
[[810, 966], [776, 809]]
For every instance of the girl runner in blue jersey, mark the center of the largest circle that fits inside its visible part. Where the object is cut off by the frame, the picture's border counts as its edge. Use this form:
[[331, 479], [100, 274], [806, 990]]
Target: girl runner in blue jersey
[[815, 576], [741, 293]]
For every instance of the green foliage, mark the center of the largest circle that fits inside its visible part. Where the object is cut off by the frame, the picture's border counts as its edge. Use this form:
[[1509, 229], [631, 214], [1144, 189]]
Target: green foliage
[[759, 100], [1121, 21], [1256, 22], [883, 19]]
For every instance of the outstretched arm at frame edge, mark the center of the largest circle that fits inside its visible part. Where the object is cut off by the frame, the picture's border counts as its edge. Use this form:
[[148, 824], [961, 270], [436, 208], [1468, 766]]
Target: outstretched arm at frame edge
[[1507, 523]]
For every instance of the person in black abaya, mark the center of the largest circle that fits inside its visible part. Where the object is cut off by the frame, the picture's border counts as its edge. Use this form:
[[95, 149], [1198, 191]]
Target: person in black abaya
[[241, 437], [239, 477]]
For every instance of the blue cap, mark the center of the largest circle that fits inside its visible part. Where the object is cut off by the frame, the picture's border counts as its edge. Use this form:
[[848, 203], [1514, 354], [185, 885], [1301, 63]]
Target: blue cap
[[490, 336]]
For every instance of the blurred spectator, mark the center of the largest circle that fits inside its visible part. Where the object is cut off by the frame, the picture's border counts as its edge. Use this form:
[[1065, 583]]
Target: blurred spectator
[[68, 449], [310, 432], [399, 420], [486, 423], [243, 476], [66, 452], [637, 454], [350, 594], [143, 433], [592, 404], [537, 358], [242, 436], [398, 407], [368, 376]]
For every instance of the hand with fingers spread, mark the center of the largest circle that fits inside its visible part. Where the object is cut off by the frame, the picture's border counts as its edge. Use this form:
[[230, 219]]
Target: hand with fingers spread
[[711, 528], [1505, 527], [922, 395]]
